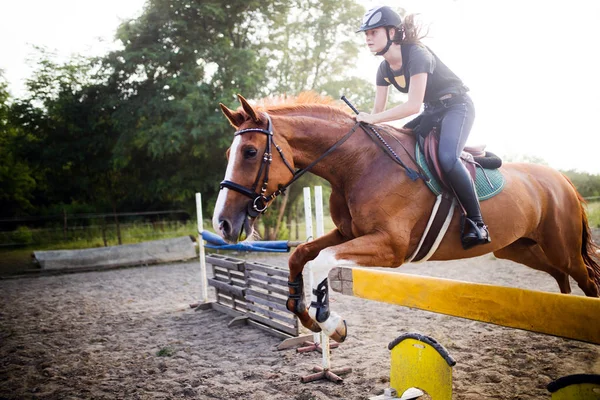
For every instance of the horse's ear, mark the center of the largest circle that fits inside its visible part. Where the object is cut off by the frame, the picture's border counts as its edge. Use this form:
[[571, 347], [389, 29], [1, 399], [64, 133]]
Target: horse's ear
[[248, 108], [235, 118]]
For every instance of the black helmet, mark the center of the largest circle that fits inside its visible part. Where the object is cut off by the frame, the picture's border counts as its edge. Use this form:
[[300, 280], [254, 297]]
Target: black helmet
[[379, 16]]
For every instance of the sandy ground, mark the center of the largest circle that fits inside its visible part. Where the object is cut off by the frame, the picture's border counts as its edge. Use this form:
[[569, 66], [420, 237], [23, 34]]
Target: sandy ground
[[98, 335]]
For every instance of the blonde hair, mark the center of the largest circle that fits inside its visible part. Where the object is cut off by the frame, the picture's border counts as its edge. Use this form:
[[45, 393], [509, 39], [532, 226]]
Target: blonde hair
[[410, 31]]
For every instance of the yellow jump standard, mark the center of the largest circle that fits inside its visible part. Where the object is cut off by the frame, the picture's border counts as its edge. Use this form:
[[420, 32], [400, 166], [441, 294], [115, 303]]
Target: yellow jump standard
[[569, 316]]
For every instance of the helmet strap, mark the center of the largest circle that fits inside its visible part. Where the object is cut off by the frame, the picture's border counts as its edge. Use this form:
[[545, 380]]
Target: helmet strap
[[387, 46]]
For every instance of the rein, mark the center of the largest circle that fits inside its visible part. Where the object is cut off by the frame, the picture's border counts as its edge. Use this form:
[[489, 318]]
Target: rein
[[259, 202]]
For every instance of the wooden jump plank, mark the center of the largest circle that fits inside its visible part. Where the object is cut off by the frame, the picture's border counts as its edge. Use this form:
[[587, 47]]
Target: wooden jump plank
[[274, 332], [230, 274], [268, 269], [569, 316], [264, 278], [225, 279], [226, 287], [273, 288], [225, 262], [267, 296], [290, 319], [232, 304], [265, 300], [272, 323], [227, 310]]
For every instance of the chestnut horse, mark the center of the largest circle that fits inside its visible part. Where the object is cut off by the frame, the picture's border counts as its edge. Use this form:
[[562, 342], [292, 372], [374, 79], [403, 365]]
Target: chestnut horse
[[379, 213]]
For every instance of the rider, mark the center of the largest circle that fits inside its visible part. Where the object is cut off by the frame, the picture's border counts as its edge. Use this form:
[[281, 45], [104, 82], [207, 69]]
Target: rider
[[413, 68]]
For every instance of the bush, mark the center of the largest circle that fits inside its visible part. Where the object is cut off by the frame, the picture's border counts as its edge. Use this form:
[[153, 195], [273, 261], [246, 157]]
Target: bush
[[22, 235], [593, 211]]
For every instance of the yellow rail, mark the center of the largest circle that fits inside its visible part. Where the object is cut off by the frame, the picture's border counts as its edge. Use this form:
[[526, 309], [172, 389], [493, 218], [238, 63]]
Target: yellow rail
[[569, 316]]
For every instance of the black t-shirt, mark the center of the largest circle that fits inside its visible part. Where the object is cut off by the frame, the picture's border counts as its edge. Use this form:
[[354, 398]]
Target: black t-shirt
[[417, 59]]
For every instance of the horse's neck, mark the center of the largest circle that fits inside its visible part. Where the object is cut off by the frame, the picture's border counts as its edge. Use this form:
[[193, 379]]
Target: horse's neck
[[312, 137]]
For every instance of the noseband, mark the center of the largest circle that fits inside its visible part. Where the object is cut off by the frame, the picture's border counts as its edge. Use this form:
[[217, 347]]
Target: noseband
[[258, 201]]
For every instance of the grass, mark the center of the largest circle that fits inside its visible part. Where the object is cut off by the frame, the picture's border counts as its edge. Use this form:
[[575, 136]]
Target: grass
[[18, 259], [593, 210], [165, 352]]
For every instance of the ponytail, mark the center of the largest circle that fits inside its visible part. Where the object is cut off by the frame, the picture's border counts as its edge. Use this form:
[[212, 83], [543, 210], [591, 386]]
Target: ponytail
[[409, 32]]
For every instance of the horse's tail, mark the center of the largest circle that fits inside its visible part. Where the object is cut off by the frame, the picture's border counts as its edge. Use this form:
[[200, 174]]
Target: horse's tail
[[588, 248]]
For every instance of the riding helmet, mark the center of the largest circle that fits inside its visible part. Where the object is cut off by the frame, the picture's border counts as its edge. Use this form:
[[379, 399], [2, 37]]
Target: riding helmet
[[379, 16]]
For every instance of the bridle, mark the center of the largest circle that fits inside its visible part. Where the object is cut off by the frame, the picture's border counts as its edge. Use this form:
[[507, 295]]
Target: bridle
[[259, 202]]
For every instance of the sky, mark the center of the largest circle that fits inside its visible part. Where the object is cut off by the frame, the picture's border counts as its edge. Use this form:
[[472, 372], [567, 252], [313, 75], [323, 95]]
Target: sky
[[531, 65]]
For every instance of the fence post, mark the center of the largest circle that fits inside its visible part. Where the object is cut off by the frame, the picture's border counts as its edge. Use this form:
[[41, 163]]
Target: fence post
[[203, 278], [64, 224]]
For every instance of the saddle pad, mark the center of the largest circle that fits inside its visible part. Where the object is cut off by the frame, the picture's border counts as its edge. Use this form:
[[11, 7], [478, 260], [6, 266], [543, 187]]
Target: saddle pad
[[482, 187]]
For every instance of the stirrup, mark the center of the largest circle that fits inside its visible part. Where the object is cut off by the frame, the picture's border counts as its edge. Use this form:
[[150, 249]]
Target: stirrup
[[474, 234]]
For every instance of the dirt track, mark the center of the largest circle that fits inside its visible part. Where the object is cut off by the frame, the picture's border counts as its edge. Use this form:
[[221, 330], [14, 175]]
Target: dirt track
[[98, 335]]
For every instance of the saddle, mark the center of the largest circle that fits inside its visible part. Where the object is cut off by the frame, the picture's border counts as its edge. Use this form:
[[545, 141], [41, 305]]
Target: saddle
[[472, 157]]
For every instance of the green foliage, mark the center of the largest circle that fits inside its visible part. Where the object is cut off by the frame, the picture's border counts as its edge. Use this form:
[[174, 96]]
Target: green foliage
[[17, 181], [140, 128], [22, 235], [593, 213], [313, 47], [587, 185], [165, 352]]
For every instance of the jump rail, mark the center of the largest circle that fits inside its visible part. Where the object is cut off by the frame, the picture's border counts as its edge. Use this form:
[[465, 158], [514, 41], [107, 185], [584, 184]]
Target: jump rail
[[568, 316]]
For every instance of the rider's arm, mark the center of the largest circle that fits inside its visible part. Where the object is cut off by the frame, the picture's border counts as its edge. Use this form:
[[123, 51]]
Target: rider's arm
[[416, 93], [381, 97]]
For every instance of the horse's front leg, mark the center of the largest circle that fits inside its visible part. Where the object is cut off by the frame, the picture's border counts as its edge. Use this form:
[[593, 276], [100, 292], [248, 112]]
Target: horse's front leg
[[304, 253], [369, 250]]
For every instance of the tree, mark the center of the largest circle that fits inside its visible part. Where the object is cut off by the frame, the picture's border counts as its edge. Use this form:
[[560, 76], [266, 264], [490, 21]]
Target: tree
[[179, 60], [588, 185], [16, 178], [140, 127], [313, 46]]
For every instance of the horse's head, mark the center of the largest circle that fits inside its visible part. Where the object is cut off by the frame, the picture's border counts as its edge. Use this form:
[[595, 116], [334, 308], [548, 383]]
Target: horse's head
[[253, 174]]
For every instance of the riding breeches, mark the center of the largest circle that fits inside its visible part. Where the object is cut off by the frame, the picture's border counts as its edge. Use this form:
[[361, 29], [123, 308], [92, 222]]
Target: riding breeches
[[454, 117]]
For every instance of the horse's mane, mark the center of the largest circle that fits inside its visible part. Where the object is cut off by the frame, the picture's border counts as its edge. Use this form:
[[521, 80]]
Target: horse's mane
[[304, 103]]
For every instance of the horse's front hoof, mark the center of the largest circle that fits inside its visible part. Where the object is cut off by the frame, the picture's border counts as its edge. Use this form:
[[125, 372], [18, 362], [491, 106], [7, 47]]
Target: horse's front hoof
[[335, 327], [340, 332]]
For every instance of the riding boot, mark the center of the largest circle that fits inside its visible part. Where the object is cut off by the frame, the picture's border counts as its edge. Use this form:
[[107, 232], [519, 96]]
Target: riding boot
[[474, 231]]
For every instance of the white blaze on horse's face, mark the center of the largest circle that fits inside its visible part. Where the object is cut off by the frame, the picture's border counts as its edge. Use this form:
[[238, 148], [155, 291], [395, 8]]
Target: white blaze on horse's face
[[223, 194]]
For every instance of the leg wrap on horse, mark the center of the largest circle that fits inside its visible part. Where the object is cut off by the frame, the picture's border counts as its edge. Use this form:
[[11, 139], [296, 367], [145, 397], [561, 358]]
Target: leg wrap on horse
[[296, 302], [330, 322], [322, 304]]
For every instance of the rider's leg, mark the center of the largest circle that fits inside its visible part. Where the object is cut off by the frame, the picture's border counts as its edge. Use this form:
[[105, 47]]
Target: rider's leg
[[455, 128]]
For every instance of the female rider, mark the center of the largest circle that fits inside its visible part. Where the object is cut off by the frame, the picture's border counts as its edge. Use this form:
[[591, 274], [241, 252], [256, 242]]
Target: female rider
[[414, 69]]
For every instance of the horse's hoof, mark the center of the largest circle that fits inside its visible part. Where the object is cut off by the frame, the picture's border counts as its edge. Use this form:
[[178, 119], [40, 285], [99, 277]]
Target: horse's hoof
[[314, 327], [340, 332]]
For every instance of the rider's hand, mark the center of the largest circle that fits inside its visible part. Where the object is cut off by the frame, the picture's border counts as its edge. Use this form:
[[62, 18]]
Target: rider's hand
[[364, 117]]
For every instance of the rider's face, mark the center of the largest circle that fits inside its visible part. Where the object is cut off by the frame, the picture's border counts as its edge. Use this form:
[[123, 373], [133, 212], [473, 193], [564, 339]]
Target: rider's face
[[376, 39]]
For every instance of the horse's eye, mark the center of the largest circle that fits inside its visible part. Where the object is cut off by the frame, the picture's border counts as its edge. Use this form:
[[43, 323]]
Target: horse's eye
[[250, 152]]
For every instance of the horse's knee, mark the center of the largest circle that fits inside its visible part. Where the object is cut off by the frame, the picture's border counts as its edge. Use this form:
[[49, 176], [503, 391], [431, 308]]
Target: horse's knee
[[297, 261]]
